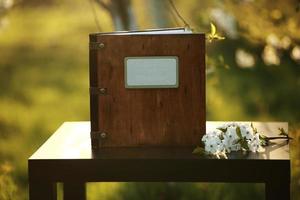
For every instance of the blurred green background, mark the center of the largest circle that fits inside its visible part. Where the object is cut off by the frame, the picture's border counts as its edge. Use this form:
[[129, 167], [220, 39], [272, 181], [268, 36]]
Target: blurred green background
[[254, 74]]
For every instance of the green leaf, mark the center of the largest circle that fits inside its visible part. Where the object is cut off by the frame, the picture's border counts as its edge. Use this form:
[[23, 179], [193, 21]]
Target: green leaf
[[262, 137], [244, 144], [217, 37], [213, 35], [221, 136], [213, 29], [282, 132], [263, 140], [222, 129], [238, 132], [253, 128], [199, 150], [238, 141]]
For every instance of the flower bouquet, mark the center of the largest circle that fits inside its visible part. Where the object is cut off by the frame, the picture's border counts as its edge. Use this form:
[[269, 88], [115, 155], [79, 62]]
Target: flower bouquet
[[235, 137]]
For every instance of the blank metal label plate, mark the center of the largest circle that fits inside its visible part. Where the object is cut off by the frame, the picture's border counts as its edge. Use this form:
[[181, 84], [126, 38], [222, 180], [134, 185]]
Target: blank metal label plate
[[151, 72]]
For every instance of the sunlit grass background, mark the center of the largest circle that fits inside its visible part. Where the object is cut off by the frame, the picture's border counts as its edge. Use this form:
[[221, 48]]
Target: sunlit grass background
[[252, 75]]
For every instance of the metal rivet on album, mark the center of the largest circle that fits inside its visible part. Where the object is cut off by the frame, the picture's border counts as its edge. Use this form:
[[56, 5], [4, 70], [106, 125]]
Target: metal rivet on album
[[103, 135]]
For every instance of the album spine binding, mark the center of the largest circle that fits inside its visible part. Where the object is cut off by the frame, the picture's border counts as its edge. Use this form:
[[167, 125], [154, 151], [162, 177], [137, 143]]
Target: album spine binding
[[93, 73]]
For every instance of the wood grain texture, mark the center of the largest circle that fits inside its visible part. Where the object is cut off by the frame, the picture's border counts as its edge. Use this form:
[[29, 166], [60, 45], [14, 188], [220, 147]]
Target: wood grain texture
[[67, 157], [150, 117], [94, 114]]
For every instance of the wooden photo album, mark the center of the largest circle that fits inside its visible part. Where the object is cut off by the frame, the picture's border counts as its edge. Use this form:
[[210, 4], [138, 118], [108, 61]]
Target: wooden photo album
[[147, 88]]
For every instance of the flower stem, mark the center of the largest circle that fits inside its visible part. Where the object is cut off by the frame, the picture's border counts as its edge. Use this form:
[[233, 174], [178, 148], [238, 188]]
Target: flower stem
[[278, 138]]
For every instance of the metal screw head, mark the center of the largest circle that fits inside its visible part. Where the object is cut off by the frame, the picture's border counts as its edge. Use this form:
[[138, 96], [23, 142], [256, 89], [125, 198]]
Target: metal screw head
[[101, 45], [103, 135], [102, 90]]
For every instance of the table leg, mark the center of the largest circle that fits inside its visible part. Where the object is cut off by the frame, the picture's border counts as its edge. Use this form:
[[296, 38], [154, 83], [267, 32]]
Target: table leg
[[42, 190], [74, 191], [277, 190]]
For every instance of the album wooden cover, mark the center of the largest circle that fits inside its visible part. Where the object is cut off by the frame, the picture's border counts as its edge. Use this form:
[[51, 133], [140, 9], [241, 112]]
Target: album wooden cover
[[147, 88]]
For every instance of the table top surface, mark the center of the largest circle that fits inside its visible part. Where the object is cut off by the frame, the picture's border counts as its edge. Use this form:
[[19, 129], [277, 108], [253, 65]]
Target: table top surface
[[72, 141]]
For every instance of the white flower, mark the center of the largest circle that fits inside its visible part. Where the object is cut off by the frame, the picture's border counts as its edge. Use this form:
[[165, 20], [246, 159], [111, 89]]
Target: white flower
[[230, 145], [212, 141], [223, 126], [236, 147], [214, 133], [254, 143], [231, 133], [225, 139], [246, 131], [232, 124], [227, 143], [228, 124], [211, 146], [204, 138]]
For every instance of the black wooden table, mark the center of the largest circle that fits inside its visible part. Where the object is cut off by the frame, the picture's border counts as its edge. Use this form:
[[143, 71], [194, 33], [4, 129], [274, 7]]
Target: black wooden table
[[67, 157]]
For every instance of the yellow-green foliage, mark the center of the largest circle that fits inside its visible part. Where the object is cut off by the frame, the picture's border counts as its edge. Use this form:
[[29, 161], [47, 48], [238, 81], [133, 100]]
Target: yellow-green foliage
[[43, 79], [44, 82], [8, 187]]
